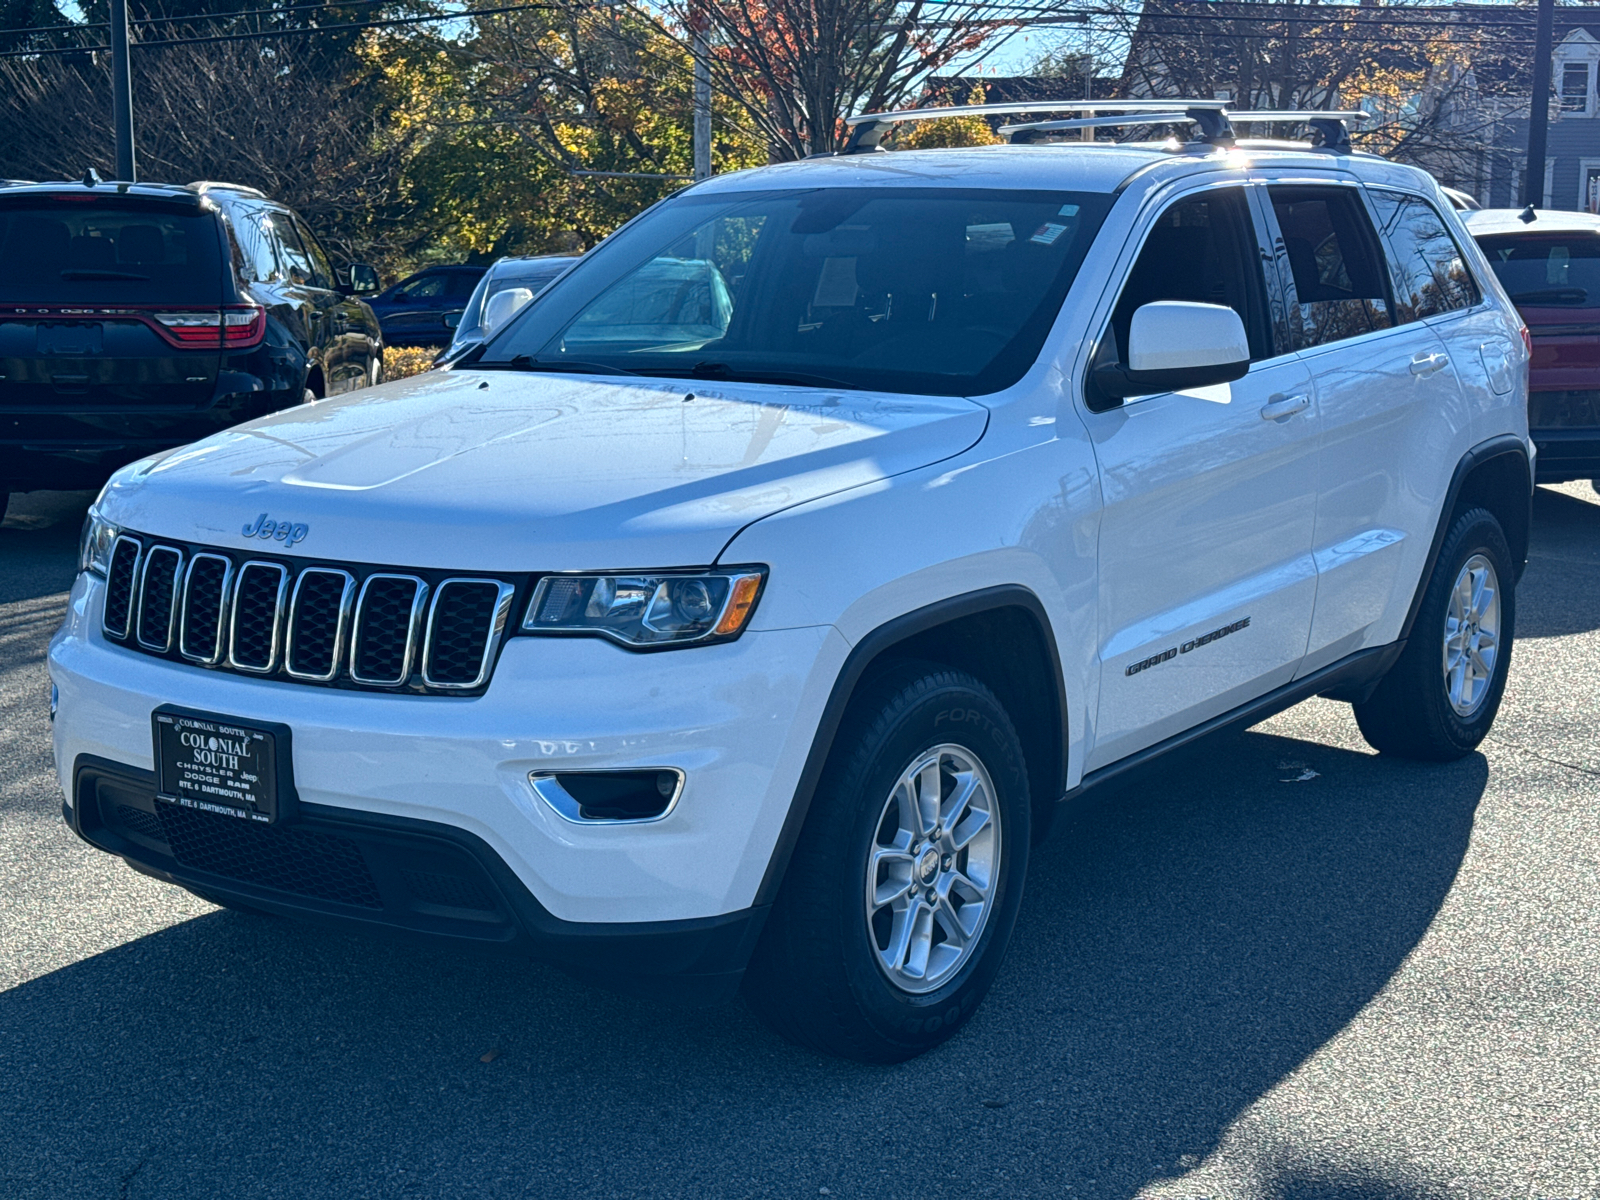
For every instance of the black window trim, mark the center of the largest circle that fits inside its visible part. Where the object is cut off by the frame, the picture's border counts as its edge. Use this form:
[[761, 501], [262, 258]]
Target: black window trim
[[1485, 301]]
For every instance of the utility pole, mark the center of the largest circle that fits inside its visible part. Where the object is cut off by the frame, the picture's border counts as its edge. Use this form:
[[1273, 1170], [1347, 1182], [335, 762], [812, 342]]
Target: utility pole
[[1539, 111], [122, 91], [701, 26]]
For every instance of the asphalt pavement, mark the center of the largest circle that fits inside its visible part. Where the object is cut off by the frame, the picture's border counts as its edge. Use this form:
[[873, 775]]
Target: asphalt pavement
[[1279, 967]]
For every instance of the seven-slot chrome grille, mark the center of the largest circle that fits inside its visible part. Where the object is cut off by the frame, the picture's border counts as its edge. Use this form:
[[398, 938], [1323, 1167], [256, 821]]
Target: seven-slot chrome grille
[[339, 625]]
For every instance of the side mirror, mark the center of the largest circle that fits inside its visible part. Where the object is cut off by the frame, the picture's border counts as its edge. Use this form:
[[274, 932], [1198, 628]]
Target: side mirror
[[453, 319], [502, 306], [1178, 344], [363, 279]]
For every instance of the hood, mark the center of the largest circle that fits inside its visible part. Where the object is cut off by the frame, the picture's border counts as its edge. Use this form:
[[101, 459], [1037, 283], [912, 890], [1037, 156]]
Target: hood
[[506, 471]]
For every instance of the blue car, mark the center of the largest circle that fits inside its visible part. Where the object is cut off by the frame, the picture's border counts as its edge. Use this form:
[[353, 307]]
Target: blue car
[[412, 312]]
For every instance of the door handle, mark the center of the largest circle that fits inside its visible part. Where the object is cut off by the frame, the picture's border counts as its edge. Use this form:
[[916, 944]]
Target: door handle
[[1427, 364], [1284, 406]]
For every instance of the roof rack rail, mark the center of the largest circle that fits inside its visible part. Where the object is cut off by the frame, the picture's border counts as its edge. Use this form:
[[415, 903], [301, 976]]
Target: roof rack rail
[[1214, 118], [867, 130]]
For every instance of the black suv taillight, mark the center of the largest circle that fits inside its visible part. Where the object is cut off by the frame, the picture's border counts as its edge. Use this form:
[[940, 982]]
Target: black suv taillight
[[237, 327]]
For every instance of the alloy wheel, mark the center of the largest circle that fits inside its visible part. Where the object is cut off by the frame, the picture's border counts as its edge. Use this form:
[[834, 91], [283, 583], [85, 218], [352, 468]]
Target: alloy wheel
[[933, 868]]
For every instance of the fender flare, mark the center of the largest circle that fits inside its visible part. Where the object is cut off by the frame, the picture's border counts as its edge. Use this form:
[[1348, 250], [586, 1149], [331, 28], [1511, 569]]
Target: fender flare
[[861, 657], [1503, 446]]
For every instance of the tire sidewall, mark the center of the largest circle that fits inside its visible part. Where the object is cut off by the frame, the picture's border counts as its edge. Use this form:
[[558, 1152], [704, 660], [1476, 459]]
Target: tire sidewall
[[968, 717]]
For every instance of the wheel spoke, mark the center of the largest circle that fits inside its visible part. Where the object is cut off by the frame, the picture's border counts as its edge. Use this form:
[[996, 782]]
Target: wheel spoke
[[930, 783], [976, 823], [894, 955], [955, 808], [950, 921], [898, 883], [921, 942]]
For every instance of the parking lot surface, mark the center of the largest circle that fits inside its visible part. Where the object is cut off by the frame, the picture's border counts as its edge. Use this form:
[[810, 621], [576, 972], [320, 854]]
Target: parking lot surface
[[1276, 966]]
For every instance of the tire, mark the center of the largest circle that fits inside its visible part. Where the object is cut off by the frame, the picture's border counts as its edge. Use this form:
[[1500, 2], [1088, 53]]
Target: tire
[[821, 975], [1414, 713]]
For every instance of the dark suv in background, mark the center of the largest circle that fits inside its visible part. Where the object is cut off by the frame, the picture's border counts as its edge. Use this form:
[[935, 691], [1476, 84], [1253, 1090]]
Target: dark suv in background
[[413, 311], [137, 317]]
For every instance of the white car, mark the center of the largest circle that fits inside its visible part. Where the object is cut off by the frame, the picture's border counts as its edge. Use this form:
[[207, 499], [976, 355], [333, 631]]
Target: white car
[[762, 648]]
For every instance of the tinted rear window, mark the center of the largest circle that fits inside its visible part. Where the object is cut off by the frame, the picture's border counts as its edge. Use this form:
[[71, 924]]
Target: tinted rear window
[[1554, 270], [66, 253]]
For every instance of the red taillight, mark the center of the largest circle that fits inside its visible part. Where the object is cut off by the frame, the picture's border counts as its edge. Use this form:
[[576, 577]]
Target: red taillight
[[243, 326], [1527, 341], [233, 328]]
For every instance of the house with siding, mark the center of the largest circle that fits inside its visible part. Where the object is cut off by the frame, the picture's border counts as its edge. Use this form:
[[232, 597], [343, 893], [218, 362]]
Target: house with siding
[[1466, 118]]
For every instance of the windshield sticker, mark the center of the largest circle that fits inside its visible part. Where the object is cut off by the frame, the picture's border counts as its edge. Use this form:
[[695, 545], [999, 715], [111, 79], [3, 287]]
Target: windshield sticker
[[1048, 233], [836, 284], [986, 239]]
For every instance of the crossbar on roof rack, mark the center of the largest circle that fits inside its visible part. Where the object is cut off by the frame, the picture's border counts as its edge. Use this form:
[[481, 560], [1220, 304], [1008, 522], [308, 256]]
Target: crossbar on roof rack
[[1214, 117], [1021, 133]]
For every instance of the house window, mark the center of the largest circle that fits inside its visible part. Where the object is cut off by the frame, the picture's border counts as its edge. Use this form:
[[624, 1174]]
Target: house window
[[1575, 87]]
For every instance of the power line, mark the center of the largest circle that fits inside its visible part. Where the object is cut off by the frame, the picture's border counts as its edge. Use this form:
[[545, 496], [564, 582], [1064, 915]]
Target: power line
[[277, 33], [195, 17]]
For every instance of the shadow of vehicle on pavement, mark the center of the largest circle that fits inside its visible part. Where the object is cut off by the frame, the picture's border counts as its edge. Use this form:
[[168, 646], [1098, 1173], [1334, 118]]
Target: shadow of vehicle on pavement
[[1185, 944]]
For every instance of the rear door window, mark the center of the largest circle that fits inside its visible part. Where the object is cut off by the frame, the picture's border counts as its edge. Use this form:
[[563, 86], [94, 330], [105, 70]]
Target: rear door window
[[1430, 276], [1547, 270], [321, 267], [91, 252], [258, 244], [1335, 263], [296, 260]]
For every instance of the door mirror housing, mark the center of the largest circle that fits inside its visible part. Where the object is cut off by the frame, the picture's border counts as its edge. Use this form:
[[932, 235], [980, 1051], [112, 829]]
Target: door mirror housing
[[363, 279], [504, 305], [1178, 344], [452, 319]]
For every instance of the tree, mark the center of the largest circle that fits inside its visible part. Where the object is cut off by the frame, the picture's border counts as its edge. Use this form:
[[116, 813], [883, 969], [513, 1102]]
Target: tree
[[319, 136], [797, 68]]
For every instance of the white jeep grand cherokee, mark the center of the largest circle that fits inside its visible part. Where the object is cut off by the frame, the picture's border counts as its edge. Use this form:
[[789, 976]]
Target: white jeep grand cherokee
[[744, 609]]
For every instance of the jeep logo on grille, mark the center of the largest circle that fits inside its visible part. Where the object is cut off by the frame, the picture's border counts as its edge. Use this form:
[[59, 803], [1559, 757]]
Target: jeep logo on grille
[[287, 532]]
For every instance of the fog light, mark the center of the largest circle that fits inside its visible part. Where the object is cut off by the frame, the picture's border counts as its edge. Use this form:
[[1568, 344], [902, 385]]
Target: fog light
[[609, 797]]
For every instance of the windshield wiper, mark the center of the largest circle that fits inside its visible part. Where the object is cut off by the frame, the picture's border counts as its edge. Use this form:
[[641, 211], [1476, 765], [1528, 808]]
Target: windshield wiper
[[1565, 295], [87, 274], [720, 370], [526, 362]]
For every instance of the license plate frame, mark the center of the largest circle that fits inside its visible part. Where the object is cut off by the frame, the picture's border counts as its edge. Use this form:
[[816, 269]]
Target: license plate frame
[[226, 766], [71, 339]]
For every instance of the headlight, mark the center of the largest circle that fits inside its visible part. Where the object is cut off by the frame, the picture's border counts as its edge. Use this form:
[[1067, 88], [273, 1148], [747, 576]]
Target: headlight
[[638, 609], [94, 544]]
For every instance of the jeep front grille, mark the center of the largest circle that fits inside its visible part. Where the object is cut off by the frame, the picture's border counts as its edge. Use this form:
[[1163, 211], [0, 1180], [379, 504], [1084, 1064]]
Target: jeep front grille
[[338, 625]]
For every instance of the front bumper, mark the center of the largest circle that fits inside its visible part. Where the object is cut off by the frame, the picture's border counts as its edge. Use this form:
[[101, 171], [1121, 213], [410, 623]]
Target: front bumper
[[736, 719], [392, 875]]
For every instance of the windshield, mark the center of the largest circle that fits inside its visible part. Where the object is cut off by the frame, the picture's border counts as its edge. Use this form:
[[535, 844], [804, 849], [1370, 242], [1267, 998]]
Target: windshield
[[1555, 270], [104, 254], [937, 291]]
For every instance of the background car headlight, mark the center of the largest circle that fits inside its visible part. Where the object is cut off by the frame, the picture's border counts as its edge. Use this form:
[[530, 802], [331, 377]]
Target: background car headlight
[[94, 544], [647, 609]]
